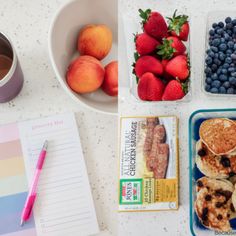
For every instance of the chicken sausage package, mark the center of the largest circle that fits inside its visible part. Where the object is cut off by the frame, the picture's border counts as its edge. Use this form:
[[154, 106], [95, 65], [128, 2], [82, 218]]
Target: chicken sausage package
[[148, 163]]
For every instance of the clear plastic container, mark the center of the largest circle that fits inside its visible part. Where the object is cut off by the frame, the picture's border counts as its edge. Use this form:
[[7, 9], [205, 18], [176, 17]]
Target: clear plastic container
[[212, 17], [195, 120], [132, 26]]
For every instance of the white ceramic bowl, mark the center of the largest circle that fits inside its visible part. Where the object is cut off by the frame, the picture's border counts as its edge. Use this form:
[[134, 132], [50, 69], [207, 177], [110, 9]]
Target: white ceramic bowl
[[63, 40]]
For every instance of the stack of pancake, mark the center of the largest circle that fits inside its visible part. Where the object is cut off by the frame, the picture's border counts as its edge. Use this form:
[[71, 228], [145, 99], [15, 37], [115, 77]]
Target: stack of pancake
[[216, 158]]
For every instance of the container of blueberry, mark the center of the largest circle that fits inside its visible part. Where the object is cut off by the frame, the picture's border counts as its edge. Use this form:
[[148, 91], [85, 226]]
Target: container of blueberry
[[220, 57]]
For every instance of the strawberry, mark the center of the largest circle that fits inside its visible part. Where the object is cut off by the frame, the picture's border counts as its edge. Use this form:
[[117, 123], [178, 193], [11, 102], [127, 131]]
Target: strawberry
[[173, 91], [145, 44], [165, 75], [179, 26], [150, 88], [178, 67], [148, 64], [171, 47], [154, 24]]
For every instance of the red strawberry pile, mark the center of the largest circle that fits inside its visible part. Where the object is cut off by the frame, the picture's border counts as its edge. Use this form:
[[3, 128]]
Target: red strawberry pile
[[161, 62]]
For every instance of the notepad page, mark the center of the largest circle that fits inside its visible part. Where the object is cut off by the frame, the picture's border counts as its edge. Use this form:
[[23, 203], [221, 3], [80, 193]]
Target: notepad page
[[64, 204]]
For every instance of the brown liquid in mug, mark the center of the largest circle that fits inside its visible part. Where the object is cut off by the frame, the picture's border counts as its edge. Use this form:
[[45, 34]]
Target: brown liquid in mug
[[5, 65]]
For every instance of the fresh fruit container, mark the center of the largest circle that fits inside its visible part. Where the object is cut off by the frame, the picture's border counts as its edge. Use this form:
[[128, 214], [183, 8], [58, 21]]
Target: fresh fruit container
[[195, 121], [131, 26], [63, 38], [216, 17]]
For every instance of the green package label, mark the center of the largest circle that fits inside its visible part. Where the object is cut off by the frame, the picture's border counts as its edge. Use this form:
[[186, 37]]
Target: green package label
[[131, 191]]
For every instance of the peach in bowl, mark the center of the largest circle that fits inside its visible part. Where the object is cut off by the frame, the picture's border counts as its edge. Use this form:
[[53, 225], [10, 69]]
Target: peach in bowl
[[83, 52]]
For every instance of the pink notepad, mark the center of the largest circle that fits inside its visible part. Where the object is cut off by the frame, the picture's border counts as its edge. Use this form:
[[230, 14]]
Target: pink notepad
[[64, 204]]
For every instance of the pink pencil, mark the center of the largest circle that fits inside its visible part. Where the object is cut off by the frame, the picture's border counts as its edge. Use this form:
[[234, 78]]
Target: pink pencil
[[29, 204]]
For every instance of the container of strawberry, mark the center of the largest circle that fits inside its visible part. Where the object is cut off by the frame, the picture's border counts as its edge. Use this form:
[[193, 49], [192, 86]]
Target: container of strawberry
[[220, 57], [161, 65]]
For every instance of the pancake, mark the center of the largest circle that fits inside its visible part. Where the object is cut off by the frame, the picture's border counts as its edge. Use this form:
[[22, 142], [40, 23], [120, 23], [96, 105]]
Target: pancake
[[219, 135], [213, 204], [214, 184], [212, 217], [214, 166]]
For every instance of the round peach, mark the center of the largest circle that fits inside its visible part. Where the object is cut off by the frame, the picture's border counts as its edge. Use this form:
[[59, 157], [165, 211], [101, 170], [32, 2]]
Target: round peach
[[85, 74], [110, 83], [95, 40]]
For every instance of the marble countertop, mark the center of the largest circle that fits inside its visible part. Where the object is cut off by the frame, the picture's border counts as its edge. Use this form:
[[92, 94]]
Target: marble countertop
[[27, 24], [174, 223]]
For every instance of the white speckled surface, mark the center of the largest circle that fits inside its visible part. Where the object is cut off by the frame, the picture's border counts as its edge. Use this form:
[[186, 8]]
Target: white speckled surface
[[27, 24], [170, 223]]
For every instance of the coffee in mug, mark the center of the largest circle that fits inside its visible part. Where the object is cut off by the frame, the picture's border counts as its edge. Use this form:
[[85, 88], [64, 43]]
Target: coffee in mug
[[11, 76]]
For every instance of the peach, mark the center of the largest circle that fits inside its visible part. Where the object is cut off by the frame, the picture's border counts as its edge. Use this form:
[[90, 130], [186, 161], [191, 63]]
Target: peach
[[95, 40], [110, 83], [85, 74]]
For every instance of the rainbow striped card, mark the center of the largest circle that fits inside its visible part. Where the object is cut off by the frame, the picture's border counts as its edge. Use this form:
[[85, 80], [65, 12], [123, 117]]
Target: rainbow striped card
[[13, 184]]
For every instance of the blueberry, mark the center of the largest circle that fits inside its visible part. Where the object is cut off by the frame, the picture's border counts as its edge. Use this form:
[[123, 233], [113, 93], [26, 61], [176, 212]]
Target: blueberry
[[228, 20], [210, 53], [214, 25], [207, 71], [228, 59], [215, 84], [208, 60], [219, 31], [221, 56], [224, 71], [212, 32], [208, 80], [226, 84], [222, 90], [217, 61], [214, 49], [230, 44], [229, 51], [233, 74], [231, 69], [233, 22], [214, 90], [222, 40], [229, 32], [207, 87], [222, 47], [234, 29], [218, 71], [214, 67], [216, 55], [222, 78], [229, 26], [232, 80], [226, 37], [233, 56], [216, 42], [214, 76], [230, 91], [221, 24], [226, 66]]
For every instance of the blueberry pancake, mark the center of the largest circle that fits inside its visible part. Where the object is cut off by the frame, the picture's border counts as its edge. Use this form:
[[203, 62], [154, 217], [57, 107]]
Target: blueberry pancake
[[218, 134], [214, 166], [213, 203]]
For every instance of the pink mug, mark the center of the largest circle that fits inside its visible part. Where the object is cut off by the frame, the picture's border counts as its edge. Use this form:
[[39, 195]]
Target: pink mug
[[12, 83]]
